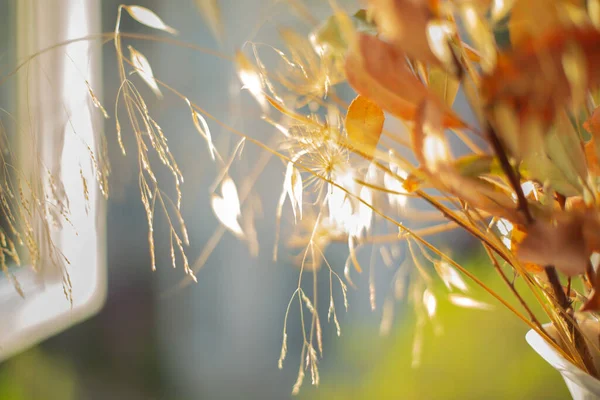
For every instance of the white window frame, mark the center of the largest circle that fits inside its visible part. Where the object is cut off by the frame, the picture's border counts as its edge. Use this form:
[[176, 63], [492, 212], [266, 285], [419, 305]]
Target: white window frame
[[52, 88]]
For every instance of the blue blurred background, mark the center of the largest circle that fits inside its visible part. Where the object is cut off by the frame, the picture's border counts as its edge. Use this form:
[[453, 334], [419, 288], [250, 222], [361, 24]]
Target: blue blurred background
[[221, 338]]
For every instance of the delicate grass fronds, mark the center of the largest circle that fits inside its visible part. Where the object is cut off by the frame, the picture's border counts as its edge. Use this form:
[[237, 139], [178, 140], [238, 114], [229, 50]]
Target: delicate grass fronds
[[347, 177]]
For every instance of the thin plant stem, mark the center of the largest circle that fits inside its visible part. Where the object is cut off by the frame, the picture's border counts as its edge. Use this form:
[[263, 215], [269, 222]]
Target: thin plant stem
[[512, 288], [560, 297]]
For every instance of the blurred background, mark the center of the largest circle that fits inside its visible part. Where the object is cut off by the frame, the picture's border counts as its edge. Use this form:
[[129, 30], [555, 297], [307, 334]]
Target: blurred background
[[221, 338]]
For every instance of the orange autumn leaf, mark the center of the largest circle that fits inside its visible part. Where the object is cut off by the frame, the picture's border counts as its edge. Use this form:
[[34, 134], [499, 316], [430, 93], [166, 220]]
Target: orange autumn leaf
[[364, 123], [592, 124], [591, 157], [413, 182], [533, 18], [575, 203], [533, 79], [379, 71], [593, 302], [530, 18], [591, 231], [404, 23]]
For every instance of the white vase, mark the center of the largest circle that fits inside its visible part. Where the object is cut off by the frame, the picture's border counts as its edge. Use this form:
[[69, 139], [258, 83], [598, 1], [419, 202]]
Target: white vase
[[581, 385]]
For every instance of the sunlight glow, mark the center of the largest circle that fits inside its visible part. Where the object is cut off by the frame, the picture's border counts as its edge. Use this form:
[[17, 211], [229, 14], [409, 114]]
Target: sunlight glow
[[393, 184], [505, 227], [227, 207], [430, 303], [250, 79], [438, 34], [467, 302], [435, 151], [348, 214]]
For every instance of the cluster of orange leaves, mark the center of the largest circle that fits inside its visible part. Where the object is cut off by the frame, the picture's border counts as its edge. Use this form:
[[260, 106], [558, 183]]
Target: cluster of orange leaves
[[543, 82]]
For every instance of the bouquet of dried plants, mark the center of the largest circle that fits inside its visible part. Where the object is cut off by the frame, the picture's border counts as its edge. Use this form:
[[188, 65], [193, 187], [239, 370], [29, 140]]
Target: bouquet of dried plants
[[525, 184]]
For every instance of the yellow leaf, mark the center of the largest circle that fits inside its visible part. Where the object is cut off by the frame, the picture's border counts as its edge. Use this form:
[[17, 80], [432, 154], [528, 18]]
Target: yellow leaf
[[148, 18], [530, 18], [364, 123], [594, 11], [443, 85], [142, 67], [212, 15]]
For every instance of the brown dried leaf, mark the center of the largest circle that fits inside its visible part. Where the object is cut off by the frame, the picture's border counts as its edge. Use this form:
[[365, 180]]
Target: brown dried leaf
[[593, 301], [364, 123], [517, 236], [566, 243], [561, 246], [380, 72]]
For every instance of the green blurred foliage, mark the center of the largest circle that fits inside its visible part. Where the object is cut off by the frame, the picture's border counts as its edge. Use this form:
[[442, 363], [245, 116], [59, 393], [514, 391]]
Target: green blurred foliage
[[479, 355], [37, 375]]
